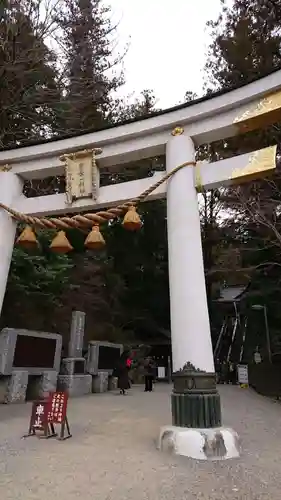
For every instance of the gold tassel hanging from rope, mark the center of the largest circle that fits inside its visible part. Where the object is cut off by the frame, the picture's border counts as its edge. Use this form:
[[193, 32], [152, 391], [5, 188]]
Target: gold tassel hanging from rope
[[60, 243], [95, 240], [27, 239], [132, 220]]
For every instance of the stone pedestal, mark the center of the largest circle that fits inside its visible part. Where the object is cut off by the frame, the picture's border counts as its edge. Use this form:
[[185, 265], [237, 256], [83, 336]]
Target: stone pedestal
[[73, 366], [43, 384], [102, 356], [218, 443], [17, 386], [72, 377], [4, 384], [48, 382], [76, 385], [112, 383], [100, 382], [195, 400]]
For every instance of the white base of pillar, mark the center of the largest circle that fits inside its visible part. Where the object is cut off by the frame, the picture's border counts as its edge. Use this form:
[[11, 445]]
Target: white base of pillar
[[220, 443]]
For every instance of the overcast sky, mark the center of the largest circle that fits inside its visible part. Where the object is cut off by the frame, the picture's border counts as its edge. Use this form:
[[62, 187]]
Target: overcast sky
[[168, 44]]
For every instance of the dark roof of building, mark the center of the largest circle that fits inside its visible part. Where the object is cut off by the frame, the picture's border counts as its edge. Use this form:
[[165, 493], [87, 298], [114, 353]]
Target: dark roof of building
[[187, 104], [233, 293]]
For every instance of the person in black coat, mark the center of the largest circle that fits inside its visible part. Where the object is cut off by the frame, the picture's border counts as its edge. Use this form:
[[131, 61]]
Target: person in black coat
[[232, 374], [122, 372], [149, 374], [225, 372]]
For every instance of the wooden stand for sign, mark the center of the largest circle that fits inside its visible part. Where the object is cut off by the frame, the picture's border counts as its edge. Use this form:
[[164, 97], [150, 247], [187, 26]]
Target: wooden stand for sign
[[48, 412], [64, 425]]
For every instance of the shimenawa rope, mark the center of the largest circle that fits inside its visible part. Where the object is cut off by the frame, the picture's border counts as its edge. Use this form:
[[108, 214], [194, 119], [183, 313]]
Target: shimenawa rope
[[82, 221]]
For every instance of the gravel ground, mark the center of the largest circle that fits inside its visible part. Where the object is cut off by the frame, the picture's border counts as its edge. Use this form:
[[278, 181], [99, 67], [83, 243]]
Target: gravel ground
[[112, 454]]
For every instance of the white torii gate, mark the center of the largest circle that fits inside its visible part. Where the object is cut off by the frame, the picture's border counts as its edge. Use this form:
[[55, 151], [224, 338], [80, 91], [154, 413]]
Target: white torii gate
[[197, 430]]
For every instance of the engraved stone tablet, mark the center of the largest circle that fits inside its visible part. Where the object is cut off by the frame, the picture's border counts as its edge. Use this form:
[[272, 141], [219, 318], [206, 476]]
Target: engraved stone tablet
[[76, 335]]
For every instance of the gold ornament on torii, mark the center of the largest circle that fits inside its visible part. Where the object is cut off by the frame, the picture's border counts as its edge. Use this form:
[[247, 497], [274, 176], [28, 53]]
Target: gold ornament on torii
[[260, 114], [5, 168]]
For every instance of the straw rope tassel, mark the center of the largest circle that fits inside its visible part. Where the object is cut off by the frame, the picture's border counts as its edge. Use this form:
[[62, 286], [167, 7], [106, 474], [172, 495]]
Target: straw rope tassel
[[95, 240], [60, 243], [27, 239]]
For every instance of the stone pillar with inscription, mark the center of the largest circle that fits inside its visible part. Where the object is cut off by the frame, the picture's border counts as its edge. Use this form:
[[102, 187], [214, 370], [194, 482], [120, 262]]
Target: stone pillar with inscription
[[72, 377], [75, 346]]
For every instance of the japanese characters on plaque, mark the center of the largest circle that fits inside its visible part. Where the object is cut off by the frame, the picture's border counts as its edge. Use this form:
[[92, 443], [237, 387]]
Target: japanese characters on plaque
[[40, 415], [81, 175], [57, 407]]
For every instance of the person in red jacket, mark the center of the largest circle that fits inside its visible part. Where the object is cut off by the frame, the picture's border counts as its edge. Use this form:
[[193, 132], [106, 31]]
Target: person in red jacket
[[122, 372]]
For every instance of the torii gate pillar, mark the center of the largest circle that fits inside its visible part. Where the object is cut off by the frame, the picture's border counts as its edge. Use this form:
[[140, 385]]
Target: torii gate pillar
[[10, 190], [196, 412]]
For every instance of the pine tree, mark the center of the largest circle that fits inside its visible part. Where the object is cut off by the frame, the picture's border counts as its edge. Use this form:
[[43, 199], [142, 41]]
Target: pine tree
[[28, 88], [246, 42], [87, 50]]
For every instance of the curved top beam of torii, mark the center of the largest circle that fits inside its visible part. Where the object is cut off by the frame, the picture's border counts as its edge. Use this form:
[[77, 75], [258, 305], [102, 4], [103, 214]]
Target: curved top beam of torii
[[204, 120]]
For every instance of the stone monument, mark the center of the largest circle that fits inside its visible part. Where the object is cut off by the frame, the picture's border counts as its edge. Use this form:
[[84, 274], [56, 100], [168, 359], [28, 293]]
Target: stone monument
[[101, 361], [29, 364], [77, 330], [73, 377]]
